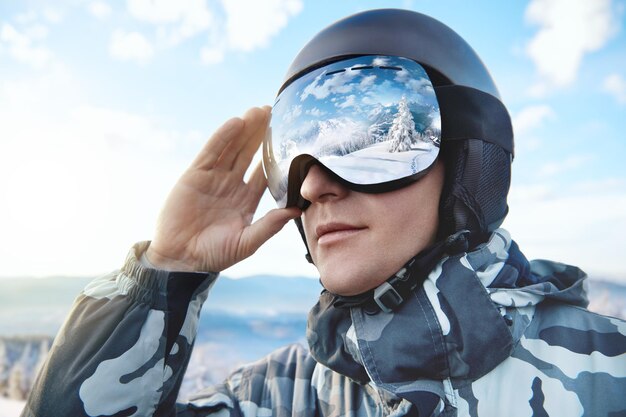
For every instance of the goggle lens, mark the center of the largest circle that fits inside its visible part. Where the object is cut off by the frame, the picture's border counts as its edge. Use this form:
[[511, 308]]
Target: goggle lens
[[371, 120]]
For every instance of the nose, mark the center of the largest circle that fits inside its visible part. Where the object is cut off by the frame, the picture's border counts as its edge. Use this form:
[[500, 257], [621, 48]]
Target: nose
[[319, 186]]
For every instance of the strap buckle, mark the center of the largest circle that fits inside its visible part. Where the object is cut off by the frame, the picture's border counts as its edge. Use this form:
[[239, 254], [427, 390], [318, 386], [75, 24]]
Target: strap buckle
[[387, 297]]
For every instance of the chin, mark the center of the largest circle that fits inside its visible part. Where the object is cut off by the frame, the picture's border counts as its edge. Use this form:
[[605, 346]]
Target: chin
[[350, 283]]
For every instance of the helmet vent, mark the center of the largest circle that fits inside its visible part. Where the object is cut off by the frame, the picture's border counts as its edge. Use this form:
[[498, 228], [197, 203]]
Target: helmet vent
[[390, 68], [335, 72]]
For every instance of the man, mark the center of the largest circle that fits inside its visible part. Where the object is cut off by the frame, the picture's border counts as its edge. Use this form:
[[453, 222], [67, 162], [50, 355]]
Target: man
[[389, 146]]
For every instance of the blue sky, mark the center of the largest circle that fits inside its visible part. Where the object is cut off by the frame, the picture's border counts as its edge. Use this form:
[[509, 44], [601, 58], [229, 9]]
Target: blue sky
[[103, 105]]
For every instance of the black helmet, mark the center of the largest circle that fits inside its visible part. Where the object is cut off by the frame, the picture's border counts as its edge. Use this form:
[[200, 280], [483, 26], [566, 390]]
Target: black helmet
[[477, 137]]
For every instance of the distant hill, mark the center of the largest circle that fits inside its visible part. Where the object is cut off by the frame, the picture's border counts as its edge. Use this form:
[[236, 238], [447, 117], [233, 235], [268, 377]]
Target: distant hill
[[36, 305], [39, 305], [264, 294], [243, 320]]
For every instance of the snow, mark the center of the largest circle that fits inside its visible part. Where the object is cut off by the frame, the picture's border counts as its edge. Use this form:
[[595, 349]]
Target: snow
[[10, 408], [375, 164]]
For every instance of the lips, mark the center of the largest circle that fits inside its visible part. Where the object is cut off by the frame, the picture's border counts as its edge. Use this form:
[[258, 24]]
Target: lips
[[336, 230]]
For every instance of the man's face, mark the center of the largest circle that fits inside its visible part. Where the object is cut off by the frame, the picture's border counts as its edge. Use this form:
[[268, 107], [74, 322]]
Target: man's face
[[358, 240]]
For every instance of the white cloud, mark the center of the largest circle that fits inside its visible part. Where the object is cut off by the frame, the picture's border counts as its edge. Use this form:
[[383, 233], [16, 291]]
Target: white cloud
[[21, 45], [531, 117], [17, 97], [350, 101], [530, 192], [79, 183], [118, 130], [175, 20], [408, 4], [229, 25], [52, 15], [162, 11], [36, 32], [211, 55], [49, 14], [568, 164], [380, 62], [367, 82], [583, 228], [568, 29], [293, 112], [251, 24], [322, 86], [594, 186], [26, 17], [615, 85], [99, 9], [130, 46], [315, 112]]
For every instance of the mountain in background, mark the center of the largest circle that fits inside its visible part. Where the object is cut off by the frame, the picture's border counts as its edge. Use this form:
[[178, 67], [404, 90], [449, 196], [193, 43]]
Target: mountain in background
[[242, 320]]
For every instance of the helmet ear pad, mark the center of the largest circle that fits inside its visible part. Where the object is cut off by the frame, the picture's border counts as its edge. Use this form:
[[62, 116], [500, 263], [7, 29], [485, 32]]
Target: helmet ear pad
[[477, 181]]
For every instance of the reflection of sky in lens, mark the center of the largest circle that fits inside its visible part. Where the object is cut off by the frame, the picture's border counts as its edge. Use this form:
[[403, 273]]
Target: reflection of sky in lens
[[381, 85], [339, 90]]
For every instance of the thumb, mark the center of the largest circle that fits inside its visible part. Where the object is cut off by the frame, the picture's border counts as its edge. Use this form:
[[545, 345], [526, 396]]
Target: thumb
[[264, 228]]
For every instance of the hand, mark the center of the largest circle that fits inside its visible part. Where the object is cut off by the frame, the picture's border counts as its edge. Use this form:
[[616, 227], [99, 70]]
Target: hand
[[206, 223]]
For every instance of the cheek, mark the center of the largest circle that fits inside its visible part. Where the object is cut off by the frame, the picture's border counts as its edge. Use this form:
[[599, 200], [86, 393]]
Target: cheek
[[402, 235], [409, 225]]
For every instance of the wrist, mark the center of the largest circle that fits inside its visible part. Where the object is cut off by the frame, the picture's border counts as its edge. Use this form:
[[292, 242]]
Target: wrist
[[157, 261]]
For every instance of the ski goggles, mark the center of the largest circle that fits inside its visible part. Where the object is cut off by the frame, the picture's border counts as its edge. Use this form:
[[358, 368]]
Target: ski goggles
[[373, 122]]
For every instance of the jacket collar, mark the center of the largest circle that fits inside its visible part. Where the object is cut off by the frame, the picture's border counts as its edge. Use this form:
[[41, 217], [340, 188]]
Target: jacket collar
[[460, 324]]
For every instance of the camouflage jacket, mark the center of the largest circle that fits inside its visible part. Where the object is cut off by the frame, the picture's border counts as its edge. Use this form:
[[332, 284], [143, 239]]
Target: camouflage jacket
[[488, 334]]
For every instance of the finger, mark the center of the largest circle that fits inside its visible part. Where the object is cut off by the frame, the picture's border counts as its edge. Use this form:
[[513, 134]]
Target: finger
[[254, 119], [264, 228], [256, 185], [242, 162], [212, 150]]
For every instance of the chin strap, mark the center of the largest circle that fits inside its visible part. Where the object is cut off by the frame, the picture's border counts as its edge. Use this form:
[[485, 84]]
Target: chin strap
[[391, 294]]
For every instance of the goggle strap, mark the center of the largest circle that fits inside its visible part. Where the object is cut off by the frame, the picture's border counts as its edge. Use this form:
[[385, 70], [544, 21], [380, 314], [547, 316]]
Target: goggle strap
[[300, 226]]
